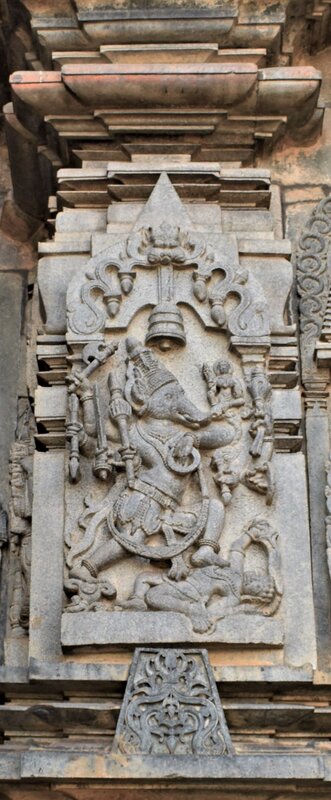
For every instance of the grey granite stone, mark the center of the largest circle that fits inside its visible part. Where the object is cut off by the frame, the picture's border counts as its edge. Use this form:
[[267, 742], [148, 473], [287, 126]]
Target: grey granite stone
[[138, 627], [292, 513], [171, 706], [11, 297], [317, 442], [54, 764], [47, 556]]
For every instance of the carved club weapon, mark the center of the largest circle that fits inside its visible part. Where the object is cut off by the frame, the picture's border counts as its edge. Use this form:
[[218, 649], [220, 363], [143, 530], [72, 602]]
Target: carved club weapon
[[101, 467], [73, 430], [94, 354], [120, 411]]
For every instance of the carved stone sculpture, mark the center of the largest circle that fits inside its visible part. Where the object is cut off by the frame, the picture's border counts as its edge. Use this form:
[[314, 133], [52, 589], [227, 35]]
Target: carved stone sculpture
[[171, 707], [169, 247], [161, 443], [239, 590], [313, 282], [161, 456], [3, 529], [20, 509], [154, 463]]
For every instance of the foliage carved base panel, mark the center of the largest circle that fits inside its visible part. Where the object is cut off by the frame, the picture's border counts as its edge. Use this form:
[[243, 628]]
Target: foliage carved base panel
[[171, 706]]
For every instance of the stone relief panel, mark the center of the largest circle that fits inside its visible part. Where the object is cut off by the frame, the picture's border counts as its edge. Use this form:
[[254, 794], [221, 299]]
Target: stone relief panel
[[159, 460], [187, 271], [172, 707], [170, 524]]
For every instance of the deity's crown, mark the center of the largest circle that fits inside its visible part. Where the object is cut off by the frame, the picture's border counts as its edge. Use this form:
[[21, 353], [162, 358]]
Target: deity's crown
[[154, 374]]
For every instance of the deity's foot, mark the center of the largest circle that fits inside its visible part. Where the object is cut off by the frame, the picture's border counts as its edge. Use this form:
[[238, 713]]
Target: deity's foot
[[205, 556], [82, 573], [179, 570], [134, 604], [201, 622]]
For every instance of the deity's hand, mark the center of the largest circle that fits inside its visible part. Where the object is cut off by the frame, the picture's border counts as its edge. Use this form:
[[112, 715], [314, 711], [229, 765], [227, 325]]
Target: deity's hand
[[114, 458], [79, 384], [217, 412], [119, 408], [129, 454]]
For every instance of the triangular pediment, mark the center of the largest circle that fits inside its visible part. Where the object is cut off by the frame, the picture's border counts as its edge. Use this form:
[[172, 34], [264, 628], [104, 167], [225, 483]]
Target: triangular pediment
[[163, 205]]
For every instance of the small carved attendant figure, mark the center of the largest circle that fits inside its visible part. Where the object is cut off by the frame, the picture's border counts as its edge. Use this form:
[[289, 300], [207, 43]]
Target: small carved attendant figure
[[224, 390], [262, 425], [226, 477], [20, 532]]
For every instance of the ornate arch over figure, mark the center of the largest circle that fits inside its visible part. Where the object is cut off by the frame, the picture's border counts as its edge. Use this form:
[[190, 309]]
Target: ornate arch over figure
[[165, 243]]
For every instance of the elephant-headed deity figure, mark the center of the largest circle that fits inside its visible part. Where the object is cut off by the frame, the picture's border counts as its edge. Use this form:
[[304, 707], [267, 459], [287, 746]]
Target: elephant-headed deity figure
[[159, 505]]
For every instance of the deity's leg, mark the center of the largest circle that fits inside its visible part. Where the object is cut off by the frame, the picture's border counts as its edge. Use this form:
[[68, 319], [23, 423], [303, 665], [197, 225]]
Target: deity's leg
[[208, 550], [166, 598], [103, 556], [142, 583]]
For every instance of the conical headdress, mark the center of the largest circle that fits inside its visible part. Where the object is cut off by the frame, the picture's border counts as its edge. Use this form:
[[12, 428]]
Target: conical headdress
[[154, 374]]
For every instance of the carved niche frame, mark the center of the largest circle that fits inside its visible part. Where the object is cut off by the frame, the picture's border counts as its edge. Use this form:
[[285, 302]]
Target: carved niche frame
[[48, 533]]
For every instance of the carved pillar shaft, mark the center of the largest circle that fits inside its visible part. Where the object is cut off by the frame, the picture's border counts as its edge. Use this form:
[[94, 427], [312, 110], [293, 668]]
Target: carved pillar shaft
[[317, 433]]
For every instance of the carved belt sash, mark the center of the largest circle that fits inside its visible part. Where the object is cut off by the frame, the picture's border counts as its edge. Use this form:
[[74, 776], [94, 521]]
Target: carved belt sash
[[164, 500]]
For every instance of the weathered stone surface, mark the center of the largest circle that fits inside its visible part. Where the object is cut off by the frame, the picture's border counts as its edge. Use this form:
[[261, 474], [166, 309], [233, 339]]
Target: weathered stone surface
[[189, 539], [171, 706], [47, 557], [54, 765], [292, 514], [317, 432], [11, 298], [132, 601], [137, 628], [175, 457]]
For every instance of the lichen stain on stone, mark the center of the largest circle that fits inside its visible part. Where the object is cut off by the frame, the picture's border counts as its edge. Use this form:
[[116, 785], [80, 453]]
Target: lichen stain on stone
[[90, 764], [120, 758]]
